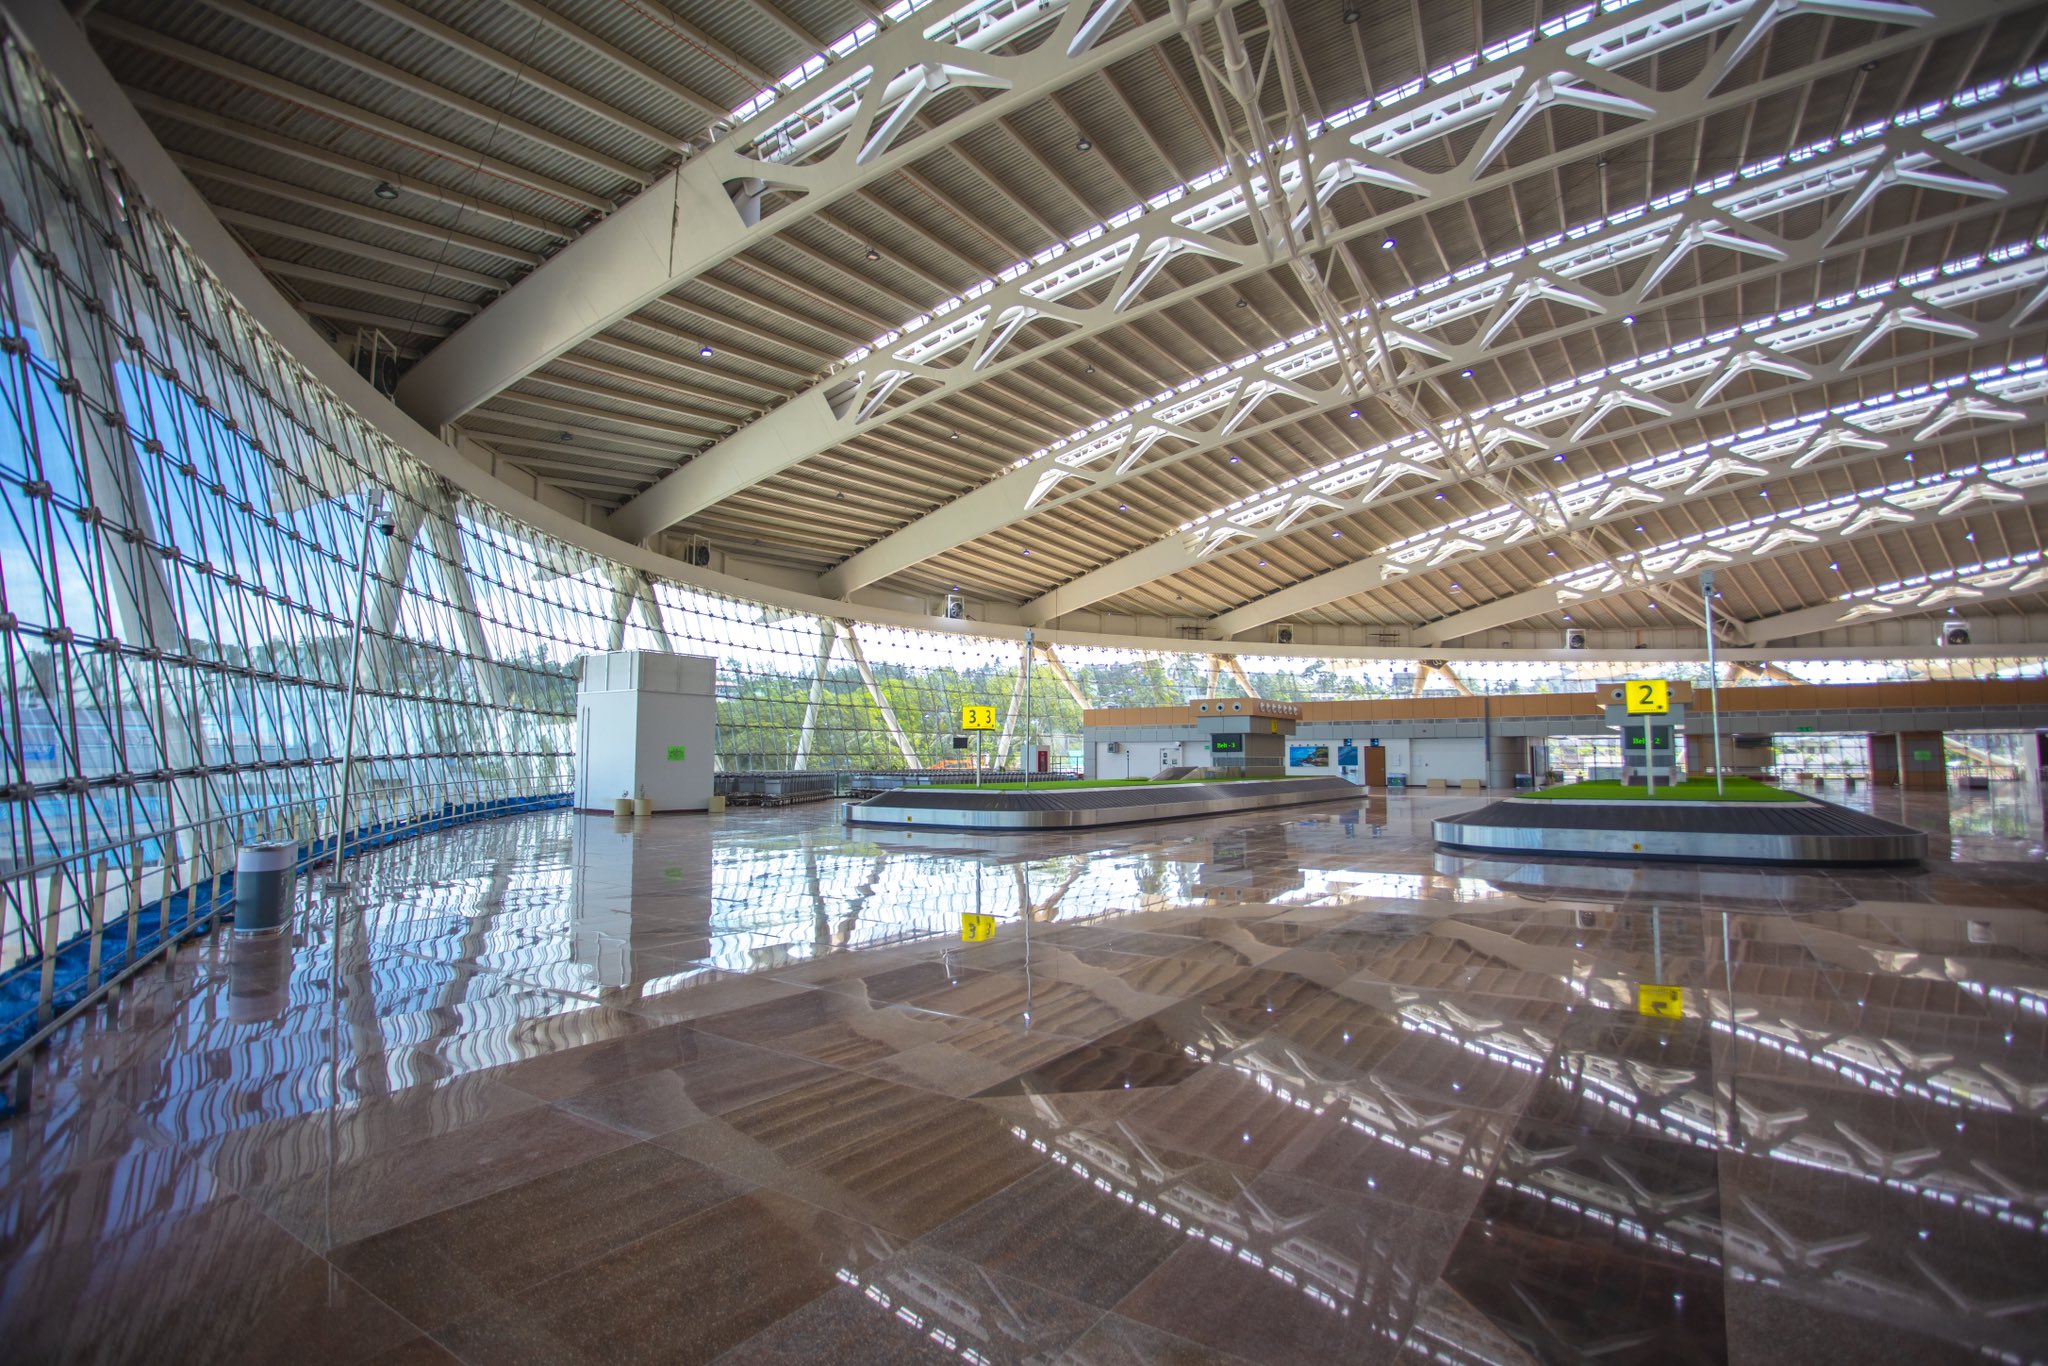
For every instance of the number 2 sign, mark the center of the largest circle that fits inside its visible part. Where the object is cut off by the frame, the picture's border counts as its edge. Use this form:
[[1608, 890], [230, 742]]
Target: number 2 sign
[[1648, 696]]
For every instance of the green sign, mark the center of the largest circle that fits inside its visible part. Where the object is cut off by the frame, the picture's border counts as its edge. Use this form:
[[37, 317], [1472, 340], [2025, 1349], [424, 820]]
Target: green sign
[[678, 753], [1922, 755], [1806, 730]]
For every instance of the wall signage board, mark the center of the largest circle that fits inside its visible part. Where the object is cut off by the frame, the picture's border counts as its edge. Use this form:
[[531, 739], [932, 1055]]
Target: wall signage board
[[1226, 744], [975, 929], [678, 753], [1648, 696], [977, 718]]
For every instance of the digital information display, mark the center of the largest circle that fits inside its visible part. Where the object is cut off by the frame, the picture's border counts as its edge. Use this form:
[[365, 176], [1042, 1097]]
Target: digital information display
[[1635, 736], [1226, 744]]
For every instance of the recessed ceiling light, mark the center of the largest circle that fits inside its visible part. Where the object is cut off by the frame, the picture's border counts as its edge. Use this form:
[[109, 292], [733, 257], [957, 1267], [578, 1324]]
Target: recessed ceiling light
[[1387, 244], [1456, 589], [1089, 371], [1354, 412], [1336, 535], [567, 437], [874, 255], [1835, 565], [1653, 607], [1241, 303], [952, 436], [1969, 535], [705, 352], [1262, 564], [1909, 455], [1466, 373], [1559, 457], [1567, 616], [1439, 497], [1351, 14], [385, 190], [1027, 552], [1638, 528], [1628, 320], [1123, 507], [1082, 144]]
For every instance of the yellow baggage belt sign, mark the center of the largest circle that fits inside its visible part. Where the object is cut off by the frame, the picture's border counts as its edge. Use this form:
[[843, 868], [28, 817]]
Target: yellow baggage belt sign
[[1665, 1003], [1648, 696], [978, 718], [975, 929]]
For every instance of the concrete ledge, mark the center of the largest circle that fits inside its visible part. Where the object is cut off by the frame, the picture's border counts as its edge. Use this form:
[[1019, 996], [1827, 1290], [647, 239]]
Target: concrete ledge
[[1069, 809], [1813, 832]]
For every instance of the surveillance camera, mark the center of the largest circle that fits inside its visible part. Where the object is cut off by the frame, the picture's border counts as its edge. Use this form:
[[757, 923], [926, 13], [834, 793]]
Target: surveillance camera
[[389, 528]]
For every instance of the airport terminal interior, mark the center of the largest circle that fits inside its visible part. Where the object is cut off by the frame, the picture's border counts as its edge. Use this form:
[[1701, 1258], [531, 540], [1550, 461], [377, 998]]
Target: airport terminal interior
[[1055, 681]]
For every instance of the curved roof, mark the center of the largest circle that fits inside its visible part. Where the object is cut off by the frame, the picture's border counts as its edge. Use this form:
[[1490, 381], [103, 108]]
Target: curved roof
[[1541, 310]]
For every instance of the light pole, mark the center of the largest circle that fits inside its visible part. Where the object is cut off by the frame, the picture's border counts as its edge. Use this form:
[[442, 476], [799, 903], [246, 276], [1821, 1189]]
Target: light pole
[[1713, 677]]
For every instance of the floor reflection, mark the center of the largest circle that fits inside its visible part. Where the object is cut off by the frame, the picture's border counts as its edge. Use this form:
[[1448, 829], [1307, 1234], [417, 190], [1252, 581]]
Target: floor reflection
[[1290, 1088]]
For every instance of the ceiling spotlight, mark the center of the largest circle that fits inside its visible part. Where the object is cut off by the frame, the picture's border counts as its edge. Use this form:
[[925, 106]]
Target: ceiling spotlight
[[385, 190], [1835, 565], [705, 352], [874, 255], [1351, 14], [1628, 320], [1262, 564], [1909, 457], [1082, 144], [1123, 507], [955, 436], [1456, 589], [1089, 371], [1336, 535], [1969, 535], [1386, 244], [1241, 303], [1559, 457], [1653, 607], [1567, 616], [1466, 373], [566, 437], [1233, 460], [1439, 497], [1638, 528], [1354, 412]]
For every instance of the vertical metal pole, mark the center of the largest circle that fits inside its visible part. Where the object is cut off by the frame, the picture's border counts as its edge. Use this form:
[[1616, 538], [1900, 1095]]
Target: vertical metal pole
[[1713, 677], [1030, 744], [1649, 757], [335, 876], [977, 764]]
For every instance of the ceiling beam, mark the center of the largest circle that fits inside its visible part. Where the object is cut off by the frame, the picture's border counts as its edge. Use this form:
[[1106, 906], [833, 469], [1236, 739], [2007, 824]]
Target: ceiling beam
[[335, 161], [1939, 593], [433, 234], [419, 87], [289, 93], [523, 72], [906, 376], [340, 280], [313, 237], [691, 221], [616, 57]]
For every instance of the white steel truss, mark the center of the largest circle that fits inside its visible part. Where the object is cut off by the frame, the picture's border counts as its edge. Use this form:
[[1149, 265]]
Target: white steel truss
[[1364, 144], [1671, 386], [2016, 481], [1205, 418], [1947, 590], [838, 126]]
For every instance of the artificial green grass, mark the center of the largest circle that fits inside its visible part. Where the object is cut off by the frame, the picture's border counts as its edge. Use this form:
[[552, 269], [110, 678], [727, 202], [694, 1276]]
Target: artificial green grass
[[1691, 790], [1069, 785]]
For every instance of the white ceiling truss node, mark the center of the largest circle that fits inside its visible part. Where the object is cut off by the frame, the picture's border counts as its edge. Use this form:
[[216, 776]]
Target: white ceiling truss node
[[1705, 231], [1909, 158], [1267, 195], [1528, 290], [1767, 14], [1965, 408], [1534, 94], [1906, 317], [1611, 398]]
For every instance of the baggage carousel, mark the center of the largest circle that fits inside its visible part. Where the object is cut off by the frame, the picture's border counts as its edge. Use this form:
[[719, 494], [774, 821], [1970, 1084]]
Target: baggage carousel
[[1070, 808], [1807, 832]]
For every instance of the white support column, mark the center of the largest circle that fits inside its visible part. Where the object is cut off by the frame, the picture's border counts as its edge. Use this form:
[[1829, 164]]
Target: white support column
[[1244, 680], [1059, 671], [650, 613], [867, 676], [1215, 672], [1015, 709], [445, 542], [817, 699], [622, 607]]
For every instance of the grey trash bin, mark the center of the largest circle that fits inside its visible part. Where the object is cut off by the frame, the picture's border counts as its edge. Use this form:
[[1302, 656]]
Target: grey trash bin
[[264, 876]]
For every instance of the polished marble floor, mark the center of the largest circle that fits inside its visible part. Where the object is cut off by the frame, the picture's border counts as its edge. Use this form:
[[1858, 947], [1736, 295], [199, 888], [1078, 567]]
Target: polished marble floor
[[1290, 1088]]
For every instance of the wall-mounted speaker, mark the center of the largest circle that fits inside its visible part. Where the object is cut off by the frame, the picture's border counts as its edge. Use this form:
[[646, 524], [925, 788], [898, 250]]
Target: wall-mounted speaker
[[1284, 636], [956, 609], [1955, 633], [1574, 639]]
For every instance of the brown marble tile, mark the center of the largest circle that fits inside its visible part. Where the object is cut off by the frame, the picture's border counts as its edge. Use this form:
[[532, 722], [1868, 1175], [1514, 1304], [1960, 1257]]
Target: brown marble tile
[[222, 1283], [904, 1308], [687, 1293], [461, 1260], [716, 1075], [1057, 1229], [393, 1187]]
